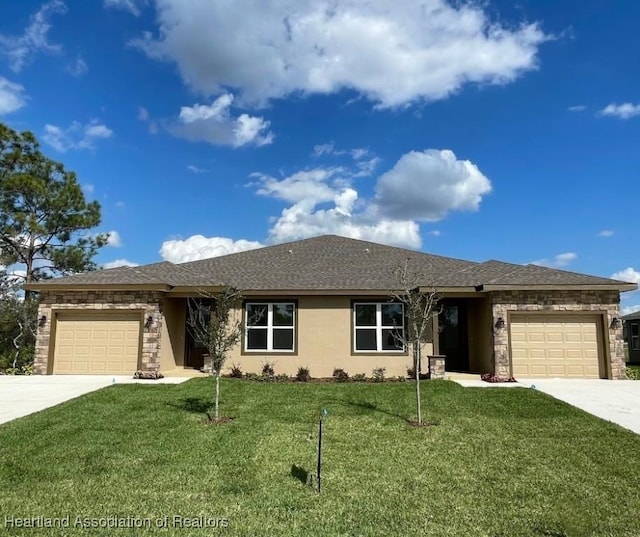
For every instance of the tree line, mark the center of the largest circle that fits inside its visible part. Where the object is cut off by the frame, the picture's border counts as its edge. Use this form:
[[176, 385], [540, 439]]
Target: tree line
[[46, 228]]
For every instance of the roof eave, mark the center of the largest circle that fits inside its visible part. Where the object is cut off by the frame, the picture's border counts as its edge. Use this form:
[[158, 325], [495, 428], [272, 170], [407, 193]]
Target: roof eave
[[54, 287], [560, 287], [447, 289]]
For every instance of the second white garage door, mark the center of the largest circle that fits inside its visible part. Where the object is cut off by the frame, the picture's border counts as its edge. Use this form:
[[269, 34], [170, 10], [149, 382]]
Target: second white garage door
[[97, 343], [555, 345]]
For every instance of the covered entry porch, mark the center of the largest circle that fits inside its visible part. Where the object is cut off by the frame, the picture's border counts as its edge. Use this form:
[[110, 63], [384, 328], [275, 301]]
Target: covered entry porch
[[464, 334]]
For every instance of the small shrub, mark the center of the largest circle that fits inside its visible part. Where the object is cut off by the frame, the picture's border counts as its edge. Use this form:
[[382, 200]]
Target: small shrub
[[632, 373], [359, 377], [400, 378], [490, 377], [340, 375], [252, 376], [268, 371], [303, 374], [411, 372], [236, 371], [378, 374], [282, 377]]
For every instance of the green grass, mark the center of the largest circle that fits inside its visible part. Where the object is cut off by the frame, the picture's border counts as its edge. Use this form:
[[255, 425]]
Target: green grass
[[501, 462]]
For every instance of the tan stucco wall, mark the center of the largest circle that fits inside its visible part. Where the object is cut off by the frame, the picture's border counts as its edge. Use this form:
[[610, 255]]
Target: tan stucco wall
[[480, 341], [172, 336], [605, 303], [324, 342]]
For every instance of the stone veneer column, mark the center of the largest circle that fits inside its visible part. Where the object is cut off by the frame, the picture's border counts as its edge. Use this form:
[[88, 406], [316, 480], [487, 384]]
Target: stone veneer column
[[149, 303], [504, 302]]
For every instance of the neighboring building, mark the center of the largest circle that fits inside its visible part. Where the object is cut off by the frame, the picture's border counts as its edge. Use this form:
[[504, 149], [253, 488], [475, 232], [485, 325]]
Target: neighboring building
[[324, 303], [632, 336]]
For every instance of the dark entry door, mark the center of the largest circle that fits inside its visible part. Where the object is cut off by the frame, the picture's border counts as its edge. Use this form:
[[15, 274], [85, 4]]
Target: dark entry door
[[194, 355], [453, 335]]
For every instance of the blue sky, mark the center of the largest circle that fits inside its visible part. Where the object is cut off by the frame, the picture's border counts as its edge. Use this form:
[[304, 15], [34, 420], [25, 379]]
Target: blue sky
[[474, 130]]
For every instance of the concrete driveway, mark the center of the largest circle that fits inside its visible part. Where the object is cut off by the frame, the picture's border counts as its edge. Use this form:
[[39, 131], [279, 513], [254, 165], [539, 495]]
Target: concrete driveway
[[613, 400], [23, 395]]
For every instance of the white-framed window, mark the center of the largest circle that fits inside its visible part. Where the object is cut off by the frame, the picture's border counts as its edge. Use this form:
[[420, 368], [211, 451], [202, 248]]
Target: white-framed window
[[378, 327], [269, 327]]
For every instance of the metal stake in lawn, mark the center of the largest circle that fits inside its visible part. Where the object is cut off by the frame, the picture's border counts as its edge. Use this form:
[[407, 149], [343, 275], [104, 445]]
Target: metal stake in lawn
[[323, 413]]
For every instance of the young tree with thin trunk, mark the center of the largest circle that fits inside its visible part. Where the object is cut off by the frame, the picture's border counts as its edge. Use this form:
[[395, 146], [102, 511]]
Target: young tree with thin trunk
[[214, 321], [420, 307]]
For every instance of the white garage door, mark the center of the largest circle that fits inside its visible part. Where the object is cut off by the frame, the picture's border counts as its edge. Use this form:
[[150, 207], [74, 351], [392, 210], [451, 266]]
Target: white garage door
[[96, 343], [555, 345]]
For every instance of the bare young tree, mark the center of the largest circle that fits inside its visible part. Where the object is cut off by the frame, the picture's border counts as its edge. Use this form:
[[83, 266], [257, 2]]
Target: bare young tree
[[215, 323], [420, 307]]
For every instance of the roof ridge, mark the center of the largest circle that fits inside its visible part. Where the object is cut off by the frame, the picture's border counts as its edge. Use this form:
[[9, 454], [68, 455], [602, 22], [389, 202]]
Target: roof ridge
[[554, 269], [515, 266], [290, 244]]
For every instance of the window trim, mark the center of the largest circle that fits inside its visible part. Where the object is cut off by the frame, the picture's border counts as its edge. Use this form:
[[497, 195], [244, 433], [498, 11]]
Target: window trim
[[634, 339], [379, 327], [270, 327]]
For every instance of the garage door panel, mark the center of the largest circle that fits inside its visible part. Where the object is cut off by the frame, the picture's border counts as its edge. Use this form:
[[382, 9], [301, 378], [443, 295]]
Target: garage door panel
[[97, 343], [555, 345]]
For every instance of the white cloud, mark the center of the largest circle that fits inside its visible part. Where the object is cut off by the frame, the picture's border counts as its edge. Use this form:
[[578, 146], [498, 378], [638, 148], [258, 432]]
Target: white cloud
[[76, 136], [427, 185], [365, 168], [120, 205], [132, 6], [314, 186], [78, 67], [562, 260], [605, 233], [12, 96], [195, 169], [622, 111], [415, 51], [21, 49], [304, 219], [558, 261], [144, 116], [324, 149], [200, 247], [114, 239], [627, 275], [88, 188], [324, 200], [577, 108], [626, 310], [216, 125], [435, 233], [119, 263]]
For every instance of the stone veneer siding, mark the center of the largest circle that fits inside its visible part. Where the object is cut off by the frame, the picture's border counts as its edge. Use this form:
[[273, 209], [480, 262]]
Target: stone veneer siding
[[549, 301], [148, 302]]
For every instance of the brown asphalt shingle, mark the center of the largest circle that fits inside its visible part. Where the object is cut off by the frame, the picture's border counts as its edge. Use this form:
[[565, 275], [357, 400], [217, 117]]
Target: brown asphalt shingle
[[328, 263]]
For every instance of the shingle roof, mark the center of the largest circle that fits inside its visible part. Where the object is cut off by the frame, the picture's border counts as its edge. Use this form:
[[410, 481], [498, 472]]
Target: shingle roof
[[323, 263], [328, 263]]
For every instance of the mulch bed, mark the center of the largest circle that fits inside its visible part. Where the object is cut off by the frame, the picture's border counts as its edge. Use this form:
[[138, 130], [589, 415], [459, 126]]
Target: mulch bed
[[217, 421]]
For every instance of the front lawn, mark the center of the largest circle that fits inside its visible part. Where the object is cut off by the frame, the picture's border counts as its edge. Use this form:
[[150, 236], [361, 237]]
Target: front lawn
[[501, 462]]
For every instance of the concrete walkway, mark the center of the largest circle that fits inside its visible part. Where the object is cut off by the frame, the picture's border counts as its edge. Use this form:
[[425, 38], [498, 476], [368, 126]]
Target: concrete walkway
[[21, 395], [612, 400]]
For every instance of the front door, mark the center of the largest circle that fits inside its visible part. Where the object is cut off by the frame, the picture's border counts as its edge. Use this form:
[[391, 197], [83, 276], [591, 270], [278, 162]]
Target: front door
[[453, 335], [194, 352]]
